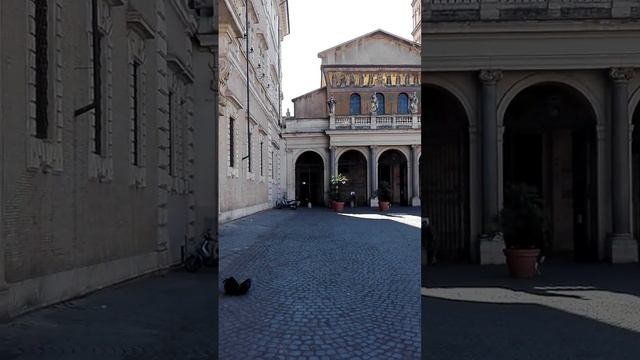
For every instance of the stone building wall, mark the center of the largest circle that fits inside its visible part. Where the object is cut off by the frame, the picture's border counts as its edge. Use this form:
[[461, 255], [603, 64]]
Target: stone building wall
[[82, 208], [247, 175]]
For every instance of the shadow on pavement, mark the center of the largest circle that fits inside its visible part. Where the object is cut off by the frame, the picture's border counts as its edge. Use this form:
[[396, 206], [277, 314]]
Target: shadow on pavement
[[573, 311], [164, 316]]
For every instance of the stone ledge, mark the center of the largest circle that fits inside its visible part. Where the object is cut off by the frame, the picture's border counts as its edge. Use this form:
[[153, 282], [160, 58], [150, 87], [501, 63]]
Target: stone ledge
[[491, 252], [40, 292], [242, 212], [622, 249]]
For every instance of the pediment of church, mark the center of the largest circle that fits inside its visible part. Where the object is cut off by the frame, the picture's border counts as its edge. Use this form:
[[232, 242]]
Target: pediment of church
[[375, 48]]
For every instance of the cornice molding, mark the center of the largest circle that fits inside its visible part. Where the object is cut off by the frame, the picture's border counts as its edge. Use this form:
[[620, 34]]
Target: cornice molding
[[137, 23]]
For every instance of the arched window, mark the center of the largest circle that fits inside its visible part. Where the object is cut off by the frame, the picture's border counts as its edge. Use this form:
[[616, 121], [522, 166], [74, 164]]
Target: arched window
[[380, 98], [403, 104], [354, 104]]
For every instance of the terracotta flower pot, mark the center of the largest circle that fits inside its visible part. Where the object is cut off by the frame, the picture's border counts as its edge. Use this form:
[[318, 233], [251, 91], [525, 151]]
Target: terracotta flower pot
[[338, 206], [383, 205], [330, 204], [522, 262]]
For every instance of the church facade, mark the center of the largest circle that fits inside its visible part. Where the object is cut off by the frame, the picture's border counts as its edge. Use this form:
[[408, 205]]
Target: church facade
[[554, 105], [363, 122]]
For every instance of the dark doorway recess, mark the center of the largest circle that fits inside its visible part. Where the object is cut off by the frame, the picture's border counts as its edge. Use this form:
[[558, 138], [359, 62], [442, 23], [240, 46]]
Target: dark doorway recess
[[392, 168], [353, 165], [444, 172], [310, 179], [549, 143]]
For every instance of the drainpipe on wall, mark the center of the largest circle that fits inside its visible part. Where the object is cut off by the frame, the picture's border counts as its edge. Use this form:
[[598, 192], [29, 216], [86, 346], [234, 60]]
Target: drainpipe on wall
[[246, 36]]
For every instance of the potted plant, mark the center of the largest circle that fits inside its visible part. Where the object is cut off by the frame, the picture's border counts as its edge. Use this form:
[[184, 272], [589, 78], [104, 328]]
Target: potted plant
[[523, 223], [384, 195], [330, 202], [338, 201]]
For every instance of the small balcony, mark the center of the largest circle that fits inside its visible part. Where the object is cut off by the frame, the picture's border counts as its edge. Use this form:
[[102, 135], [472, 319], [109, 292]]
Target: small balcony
[[369, 122]]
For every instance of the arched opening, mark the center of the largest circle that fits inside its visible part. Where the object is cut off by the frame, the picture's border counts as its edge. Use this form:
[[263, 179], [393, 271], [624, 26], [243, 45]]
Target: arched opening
[[353, 165], [635, 159], [403, 103], [354, 104], [549, 143], [380, 99], [445, 184], [392, 169], [310, 179]]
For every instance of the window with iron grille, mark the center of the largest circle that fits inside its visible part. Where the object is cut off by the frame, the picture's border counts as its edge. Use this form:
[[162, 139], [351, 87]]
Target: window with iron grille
[[249, 147], [42, 69], [232, 150], [135, 118], [97, 89], [170, 127]]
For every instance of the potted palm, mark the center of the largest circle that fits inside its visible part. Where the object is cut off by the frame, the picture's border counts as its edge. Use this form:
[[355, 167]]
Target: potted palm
[[523, 222], [338, 201], [384, 195]]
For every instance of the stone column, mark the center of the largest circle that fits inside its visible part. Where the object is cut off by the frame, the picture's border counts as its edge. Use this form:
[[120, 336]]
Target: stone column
[[332, 161], [623, 247], [489, 153], [415, 200], [373, 171]]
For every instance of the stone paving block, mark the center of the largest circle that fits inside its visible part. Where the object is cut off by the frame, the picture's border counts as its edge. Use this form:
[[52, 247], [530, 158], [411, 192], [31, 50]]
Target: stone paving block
[[341, 282]]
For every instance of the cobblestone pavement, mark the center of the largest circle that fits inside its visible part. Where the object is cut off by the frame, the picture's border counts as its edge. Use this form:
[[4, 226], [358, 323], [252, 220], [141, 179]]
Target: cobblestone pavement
[[572, 311], [159, 317], [325, 285]]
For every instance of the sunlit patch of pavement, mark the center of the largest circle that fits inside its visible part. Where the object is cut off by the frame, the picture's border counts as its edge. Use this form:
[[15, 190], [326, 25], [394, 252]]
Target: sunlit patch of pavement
[[617, 309], [407, 219]]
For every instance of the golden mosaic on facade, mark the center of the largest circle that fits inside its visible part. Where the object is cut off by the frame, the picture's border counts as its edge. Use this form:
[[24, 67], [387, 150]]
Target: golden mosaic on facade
[[342, 79]]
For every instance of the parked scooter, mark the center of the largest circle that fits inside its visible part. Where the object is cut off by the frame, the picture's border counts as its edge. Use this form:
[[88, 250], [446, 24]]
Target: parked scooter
[[206, 254], [284, 203]]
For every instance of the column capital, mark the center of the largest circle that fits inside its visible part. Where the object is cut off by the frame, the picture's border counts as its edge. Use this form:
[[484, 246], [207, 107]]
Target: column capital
[[373, 147], [618, 74], [490, 76], [333, 147], [415, 146]]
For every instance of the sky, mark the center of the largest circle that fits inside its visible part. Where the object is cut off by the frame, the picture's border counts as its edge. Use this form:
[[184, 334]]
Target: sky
[[317, 25]]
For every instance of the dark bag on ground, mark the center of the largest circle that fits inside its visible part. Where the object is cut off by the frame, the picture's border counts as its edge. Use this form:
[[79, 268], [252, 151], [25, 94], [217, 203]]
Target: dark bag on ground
[[231, 286]]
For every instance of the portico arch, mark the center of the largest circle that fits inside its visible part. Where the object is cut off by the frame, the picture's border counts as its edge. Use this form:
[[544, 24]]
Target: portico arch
[[393, 169], [550, 144], [352, 163], [309, 178], [537, 79], [445, 170]]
